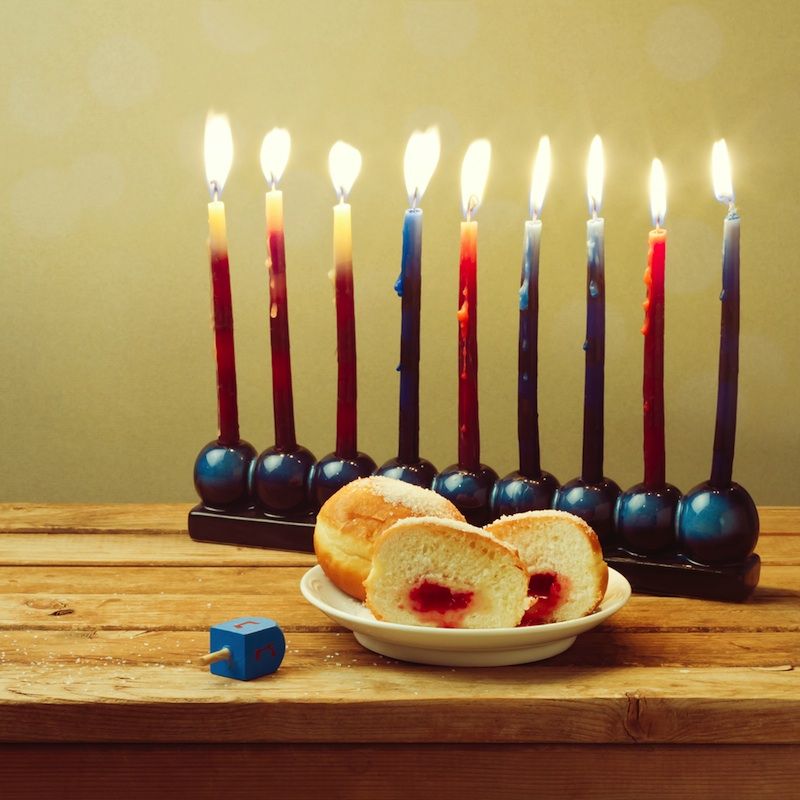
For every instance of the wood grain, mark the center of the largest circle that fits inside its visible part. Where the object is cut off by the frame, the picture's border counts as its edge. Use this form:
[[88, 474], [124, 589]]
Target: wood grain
[[366, 772], [104, 611]]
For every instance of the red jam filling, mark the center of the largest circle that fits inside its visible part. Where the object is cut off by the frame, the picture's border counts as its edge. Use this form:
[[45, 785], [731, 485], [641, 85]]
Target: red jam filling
[[429, 597], [547, 591]]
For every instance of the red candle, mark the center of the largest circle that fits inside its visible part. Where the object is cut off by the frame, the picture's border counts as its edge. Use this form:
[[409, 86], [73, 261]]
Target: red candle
[[345, 163], [653, 330], [218, 159], [274, 155], [474, 172]]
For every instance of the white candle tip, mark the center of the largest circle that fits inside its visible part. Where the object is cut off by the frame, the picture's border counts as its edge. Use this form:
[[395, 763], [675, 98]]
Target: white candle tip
[[540, 177], [658, 193], [419, 163], [275, 154], [344, 163], [218, 152], [595, 175], [474, 172], [721, 172]]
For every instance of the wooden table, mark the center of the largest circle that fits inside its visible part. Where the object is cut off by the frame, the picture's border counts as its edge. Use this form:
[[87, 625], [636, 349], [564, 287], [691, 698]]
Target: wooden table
[[104, 610]]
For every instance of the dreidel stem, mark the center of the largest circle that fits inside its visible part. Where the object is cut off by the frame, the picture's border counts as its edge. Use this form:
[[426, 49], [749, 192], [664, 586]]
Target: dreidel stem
[[223, 654]]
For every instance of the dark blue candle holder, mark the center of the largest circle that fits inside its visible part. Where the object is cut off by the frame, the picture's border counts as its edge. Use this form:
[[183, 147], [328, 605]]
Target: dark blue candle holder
[[717, 525], [468, 490], [593, 502], [516, 493], [645, 518], [332, 472], [280, 479], [222, 473], [420, 473], [708, 552]]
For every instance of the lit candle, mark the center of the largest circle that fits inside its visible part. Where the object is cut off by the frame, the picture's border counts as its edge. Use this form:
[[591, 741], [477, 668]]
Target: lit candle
[[527, 382], [653, 330], [421, 158], [274, 156], [218, 149], [344, 162], [474, 171], [725, 432], [595, 342]]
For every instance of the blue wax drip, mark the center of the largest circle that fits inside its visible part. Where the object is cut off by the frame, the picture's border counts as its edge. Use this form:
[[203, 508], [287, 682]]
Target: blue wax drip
[[722, 295], [398, 368], [398, 285], [593, 290], [585, 344], [524, 289]]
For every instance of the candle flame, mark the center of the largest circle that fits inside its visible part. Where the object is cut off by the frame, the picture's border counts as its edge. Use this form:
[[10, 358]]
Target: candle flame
[[344, 163], [218, 152], [419, 164], [721, 172], [595, 173], [474, 172], [658, 193], [275, 154], [540, 176]]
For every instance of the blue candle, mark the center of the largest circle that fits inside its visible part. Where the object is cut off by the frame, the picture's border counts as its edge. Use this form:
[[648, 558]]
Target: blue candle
[[528, 359], [595, 343], [727, 390], [421, 158]]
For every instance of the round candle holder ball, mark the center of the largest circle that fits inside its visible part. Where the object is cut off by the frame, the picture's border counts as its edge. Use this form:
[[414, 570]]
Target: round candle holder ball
[[592, 502], [468, 490], [419, 473], [280, 478], [644, 518], [717, 525], [332, 472], [222, 473], [516, 493]]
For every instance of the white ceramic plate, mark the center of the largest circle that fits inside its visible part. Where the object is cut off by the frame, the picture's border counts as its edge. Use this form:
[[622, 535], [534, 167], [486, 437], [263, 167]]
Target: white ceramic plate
[[457, 647]]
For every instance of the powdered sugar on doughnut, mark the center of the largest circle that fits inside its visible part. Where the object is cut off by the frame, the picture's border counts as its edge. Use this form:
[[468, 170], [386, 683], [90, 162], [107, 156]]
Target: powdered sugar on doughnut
[[423, 502]]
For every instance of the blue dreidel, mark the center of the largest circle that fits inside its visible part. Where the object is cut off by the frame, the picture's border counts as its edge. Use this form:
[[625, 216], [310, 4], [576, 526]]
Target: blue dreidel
[[245, 648]]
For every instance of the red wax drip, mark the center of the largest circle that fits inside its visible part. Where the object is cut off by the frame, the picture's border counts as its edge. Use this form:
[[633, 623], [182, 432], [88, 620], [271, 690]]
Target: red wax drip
[[468, 427], [227, 409], [428, 596], [547, 591], [653, 380], [346, 413], [283, 405]]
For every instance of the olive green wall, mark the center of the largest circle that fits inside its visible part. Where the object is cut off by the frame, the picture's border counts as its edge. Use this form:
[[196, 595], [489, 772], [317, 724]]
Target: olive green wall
[[106, 353]]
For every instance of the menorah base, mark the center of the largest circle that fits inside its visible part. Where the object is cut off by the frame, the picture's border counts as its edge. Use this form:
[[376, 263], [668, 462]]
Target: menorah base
[[666, 575], [251, 527], [677, 576]]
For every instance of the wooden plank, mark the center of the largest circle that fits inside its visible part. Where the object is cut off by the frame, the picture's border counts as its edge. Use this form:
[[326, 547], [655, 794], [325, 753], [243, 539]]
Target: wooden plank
[[506, 772], [127, 517], [781, 581], [404, 703], [184, 600], [599, 648], [177, 549], [142, 548], [779, 519], [93, 518]]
